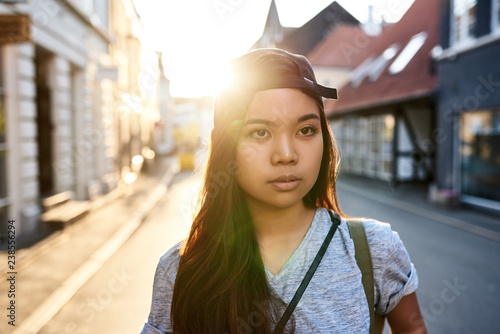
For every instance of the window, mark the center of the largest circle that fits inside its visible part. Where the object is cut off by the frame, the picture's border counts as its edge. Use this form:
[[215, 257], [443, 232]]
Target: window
[[366, 145], [380, 64], [101, 10], [89, 6], [480, 154], [373, 66], [408, 52], [464, 20], [495, 26], [361, 71]]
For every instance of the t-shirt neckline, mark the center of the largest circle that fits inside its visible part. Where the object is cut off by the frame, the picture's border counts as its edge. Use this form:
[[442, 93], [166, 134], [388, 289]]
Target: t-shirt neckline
[[298, 250]]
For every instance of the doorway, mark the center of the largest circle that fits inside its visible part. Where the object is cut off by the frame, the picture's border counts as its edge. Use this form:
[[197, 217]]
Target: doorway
[[45, 126]]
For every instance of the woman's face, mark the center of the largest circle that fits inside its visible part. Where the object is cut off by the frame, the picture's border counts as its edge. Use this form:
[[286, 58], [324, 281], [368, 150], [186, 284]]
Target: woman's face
[[280, 147]]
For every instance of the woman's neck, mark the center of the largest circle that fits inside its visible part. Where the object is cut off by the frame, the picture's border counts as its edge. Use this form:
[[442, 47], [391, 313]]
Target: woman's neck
[[277, 226]]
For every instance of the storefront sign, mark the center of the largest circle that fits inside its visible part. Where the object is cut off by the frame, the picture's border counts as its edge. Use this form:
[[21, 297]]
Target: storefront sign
[[14, 28]]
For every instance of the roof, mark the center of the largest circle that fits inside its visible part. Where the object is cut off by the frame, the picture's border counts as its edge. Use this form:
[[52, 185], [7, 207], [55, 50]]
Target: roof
[[416, 79], [337, 49], [273, 30], [302, 40]]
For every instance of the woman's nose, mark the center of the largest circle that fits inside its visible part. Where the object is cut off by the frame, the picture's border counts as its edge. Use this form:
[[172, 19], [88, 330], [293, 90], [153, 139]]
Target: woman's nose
[[284, 152]]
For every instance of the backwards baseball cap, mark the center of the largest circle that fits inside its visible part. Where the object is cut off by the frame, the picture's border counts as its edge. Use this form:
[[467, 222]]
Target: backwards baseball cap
[[247, 80]]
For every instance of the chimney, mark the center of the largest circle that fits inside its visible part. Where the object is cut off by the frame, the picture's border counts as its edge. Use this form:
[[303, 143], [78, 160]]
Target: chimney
[[370, 27]]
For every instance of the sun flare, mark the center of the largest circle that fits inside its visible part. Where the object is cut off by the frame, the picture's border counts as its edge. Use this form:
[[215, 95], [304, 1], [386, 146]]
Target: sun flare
[[197, 38], [203, 81]]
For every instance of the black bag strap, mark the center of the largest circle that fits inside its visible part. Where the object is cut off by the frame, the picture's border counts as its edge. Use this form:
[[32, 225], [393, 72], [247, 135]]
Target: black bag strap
[[364, 261], [307, 278]]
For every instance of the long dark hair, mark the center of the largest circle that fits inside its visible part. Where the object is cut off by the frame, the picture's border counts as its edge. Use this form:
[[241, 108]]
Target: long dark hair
[[221, 284]]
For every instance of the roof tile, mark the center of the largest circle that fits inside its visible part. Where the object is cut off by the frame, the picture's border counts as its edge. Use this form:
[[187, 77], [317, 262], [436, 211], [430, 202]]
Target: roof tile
[[343, 47], [416, 79]]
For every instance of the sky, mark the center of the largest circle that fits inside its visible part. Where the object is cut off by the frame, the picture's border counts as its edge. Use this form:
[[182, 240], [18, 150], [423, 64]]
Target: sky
[[198, 37]]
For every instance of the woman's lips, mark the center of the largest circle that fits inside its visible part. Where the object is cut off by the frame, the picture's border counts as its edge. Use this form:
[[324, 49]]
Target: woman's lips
[[285, 183]]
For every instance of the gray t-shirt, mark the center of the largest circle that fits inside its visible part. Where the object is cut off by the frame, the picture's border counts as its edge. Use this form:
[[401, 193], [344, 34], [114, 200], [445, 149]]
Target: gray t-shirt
[[334, 301]]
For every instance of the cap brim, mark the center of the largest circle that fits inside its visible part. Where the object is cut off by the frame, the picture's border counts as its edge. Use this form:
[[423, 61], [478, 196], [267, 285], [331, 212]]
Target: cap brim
[[296, 82]]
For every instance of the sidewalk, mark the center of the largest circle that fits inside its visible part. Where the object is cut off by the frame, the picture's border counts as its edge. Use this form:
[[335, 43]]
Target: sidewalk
[[413, 197], [45, 266]]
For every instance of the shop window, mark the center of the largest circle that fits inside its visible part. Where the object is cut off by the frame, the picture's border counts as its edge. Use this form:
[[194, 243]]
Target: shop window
[[348, 144], [361, 145], [480, 154], [464, 20], [387, 126]]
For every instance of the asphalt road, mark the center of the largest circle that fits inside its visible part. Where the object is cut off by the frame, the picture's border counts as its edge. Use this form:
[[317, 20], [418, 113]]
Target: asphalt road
[[459, 272]]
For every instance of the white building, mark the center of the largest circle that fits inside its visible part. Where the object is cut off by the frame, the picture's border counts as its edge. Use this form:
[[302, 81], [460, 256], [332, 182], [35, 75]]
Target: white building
[[58, 130]]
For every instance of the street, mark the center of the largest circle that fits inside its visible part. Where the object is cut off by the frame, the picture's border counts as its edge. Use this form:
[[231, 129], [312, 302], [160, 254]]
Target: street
[[106, 107], [117, 299], [458, 271]]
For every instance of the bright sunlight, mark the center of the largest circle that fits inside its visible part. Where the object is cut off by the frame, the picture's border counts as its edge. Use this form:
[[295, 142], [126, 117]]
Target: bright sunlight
[[198, 38]]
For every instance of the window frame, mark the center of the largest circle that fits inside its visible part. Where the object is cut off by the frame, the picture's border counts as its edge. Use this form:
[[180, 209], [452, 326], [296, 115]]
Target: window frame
[[406, 55], [467, 38], [495, 16]]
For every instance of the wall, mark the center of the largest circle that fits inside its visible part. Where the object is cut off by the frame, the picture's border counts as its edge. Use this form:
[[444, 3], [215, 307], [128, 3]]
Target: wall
[[468, 81], [70, 44]]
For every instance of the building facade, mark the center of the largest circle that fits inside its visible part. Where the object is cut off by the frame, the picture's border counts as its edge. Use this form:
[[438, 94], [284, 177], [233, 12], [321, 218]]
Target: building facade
[[384, 119], [468, 155], [133, 108], [58, 126]]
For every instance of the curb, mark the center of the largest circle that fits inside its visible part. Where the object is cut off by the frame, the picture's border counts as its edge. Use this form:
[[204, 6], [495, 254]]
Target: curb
[[437, 217], [52, 304], [26, 256]]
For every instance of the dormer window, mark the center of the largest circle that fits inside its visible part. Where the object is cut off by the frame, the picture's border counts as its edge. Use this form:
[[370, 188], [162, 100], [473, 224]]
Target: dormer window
[[362, 71], [380, 64], [408, 52], [373, 66]]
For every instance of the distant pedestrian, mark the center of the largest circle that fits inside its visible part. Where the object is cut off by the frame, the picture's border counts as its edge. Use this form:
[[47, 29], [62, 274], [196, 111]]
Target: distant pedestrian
[[269, 220]]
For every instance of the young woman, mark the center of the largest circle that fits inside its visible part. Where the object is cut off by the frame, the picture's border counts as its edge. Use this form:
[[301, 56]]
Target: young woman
[[256, 235]]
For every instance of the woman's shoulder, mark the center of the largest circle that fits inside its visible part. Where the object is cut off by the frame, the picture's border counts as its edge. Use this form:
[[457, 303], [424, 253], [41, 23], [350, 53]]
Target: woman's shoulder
[[169, 260], [375, 230], [382, 239], [380, 235], [394, 273]]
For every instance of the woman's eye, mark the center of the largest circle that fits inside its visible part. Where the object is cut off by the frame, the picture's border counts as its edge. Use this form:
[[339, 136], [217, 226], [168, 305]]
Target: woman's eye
[[259, 133], [308, 131]]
